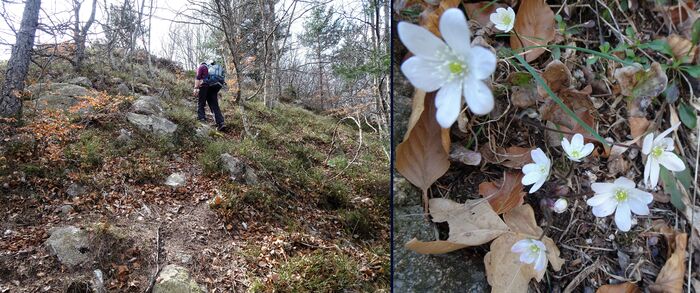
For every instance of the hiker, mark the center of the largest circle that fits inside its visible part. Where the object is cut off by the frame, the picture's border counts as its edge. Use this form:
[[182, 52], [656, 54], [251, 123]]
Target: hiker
[[208, 81]]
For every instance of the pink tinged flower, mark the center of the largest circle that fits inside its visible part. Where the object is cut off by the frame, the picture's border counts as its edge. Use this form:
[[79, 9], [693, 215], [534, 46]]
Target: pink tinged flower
[[659, 151], [536, 173], [452, 67], [575, 149], [531, 252], [622, 198]]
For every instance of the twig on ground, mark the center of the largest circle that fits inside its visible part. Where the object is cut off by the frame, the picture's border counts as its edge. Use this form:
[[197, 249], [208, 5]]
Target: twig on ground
[[581, 276]]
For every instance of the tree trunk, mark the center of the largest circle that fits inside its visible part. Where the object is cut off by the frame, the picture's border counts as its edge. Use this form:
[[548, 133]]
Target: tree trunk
[[18, 65], [80, 34]]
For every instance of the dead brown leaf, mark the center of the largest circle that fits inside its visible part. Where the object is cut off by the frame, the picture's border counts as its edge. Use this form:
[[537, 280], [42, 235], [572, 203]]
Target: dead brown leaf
[[421, 157], [465, 156], [477, 12], [534, 23], [472, 223], [430, 18], [626, 287], [670, 278], [642, 85], [638, 126], [522, 220], [683, 50], [505, 195], [513, 157], [523, 97]]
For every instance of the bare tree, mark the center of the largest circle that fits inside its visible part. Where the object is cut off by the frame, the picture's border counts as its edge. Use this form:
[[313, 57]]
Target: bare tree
[[80, 33], [18, 65]]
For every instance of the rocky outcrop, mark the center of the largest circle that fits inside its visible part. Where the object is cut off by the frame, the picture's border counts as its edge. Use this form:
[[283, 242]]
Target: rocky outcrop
[[81, 81], [176, 279], [70, 244], [56, 96], [148, 105], [152, 123]]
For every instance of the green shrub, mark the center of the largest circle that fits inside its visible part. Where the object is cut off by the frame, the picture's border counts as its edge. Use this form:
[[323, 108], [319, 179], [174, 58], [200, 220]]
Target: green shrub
[[320, 271], [210, 157], [88, 151]]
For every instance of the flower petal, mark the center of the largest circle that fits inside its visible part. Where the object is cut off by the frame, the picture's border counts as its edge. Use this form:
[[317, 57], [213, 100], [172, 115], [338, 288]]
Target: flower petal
[[604, 209], [623, 217], [587, 150], [520, 246], [577, 141], [637, 206], [478, 96], [599, 188], [625, 182], [643, 196], [671, 161], [530, 178], [455, 31], [448, 102], [541, 262], [648, 143], [528, 257], [647, 170], [565, 145], [667, 144], [599, 199], [654, 173], [539, 156], [424, 74], [666, 132], [538, 184], [420, 41], [529, 168], [482, 62]]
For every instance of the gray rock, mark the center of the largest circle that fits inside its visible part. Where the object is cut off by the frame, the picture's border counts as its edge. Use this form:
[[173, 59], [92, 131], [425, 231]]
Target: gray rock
[[65, 209], [142, 88], [70, 245], [203, 130], [155, 124], [123, 89], [148, 105], [124, 136], [175, 180], [452, 272], [75, 190], [250, 177], [405, 194], [234, 166], [98, 283], [176, 279], [184, 258], [56, 96], [81, 81]]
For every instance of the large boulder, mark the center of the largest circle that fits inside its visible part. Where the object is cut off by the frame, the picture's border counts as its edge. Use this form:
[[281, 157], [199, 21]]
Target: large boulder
[[148, 105], [81, 81], [176, 279], [152, 123], [235, 166], [56, 96], [70, 244]]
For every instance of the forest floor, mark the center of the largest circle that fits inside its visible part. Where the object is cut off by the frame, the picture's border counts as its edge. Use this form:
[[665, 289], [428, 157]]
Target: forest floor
[[314, 218], [488, 152]]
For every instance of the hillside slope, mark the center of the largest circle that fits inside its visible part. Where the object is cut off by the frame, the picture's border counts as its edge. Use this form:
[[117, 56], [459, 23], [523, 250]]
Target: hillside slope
[[298, 202]]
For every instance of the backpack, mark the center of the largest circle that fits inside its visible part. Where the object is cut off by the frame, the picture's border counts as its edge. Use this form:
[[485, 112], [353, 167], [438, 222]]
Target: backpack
[[216, 75]]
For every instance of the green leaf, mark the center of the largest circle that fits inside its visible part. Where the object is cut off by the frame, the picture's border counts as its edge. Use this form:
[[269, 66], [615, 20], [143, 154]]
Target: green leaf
[[684, 177], [693, 70], [591, 60], [695, 31], [521, 78], [671, 92], [660, 46], [687, 115], [671, 188], [556, 54]]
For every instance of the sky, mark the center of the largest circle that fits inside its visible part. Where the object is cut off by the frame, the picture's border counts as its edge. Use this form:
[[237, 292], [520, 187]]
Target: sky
[[165, 12]]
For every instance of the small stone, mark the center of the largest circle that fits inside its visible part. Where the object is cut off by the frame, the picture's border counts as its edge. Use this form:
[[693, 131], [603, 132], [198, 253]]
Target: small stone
[[175, 180], [66, 209], [233, 165], [75, 190], [124, 136], [250, 177], [69, 244], [176, 279]]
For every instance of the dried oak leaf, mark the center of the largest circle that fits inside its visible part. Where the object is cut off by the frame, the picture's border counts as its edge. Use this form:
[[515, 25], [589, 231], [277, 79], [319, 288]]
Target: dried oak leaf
[[681, 48], [670, 278], [535, 25], [481, 11], [626, 287], [505, 195], [502, 264], [421, 158], [642, 85], [472, 223], [465, 156], [513, 157]]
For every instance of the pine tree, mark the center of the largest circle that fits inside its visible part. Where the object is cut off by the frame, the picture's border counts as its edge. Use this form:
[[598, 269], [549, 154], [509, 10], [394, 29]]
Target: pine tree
[[323, 31]]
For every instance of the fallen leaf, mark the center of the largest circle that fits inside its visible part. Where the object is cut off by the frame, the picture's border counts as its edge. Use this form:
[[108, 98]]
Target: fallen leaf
[[505, 195], [670, 278], [626, 287], [465, 156], [535, 25], [430, 17], [481, 11], [638, 126], [683, 50], [522, 220], [682, 15], [513, 157], [421, 157], [642, 85], [472, 223], [523, 97]]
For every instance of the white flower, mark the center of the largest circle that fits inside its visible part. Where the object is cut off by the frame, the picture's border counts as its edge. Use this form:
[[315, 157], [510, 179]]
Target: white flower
[[536, 172], [576, 150], [622, 198], [454, 69], [660, 151], [504, 19], [560, 205], [531, 252]]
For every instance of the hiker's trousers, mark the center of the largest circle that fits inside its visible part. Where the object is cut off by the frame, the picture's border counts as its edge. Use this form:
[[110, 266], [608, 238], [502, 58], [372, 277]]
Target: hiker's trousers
[[209, 95]]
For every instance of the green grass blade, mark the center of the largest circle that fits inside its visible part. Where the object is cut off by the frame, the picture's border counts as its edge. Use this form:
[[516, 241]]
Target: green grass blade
[[559, 102], [589, 51]]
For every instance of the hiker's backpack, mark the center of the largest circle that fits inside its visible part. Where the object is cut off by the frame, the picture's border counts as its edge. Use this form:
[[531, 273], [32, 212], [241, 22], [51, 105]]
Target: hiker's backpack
[[216, 75]]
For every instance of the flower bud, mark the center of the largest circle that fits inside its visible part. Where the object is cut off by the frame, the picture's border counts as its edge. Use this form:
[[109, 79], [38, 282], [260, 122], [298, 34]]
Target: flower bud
[[560, 205]]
